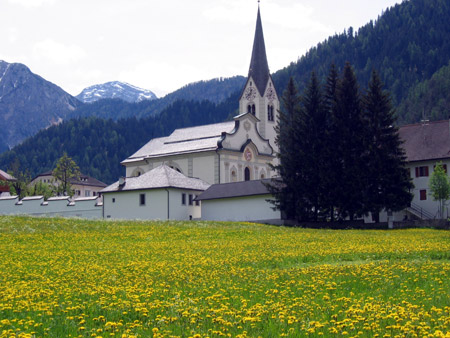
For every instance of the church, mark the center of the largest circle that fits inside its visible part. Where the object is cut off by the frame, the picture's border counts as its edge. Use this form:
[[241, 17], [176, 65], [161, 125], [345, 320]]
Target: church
[[234, 151]]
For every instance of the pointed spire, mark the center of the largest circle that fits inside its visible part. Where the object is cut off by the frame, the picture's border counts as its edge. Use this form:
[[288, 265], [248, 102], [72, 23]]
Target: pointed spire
[[259, 68]]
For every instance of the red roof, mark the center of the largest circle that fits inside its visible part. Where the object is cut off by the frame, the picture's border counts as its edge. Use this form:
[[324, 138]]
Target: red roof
[[426, 140]]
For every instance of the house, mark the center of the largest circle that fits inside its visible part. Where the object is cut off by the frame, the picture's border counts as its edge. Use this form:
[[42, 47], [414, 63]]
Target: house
[[84, 186], [425, 145], [161, 193], [233, 151], [239, 201], [5, 178]]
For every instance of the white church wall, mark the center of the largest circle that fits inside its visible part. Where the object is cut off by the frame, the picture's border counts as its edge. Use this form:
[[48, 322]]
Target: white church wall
[[204, 167], [250, 208]]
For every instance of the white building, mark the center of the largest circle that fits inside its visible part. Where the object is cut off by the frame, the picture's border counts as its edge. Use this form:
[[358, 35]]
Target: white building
[[161, 193], [239, 201], [425, 144], [238, 150]]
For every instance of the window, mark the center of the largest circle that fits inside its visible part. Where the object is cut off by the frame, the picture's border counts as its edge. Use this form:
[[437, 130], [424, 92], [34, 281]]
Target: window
[[191, 199], [114, 200], [233, 176], [183, 199], [249, 109], [141, 199], [422, 171], [270, 112], [87, 193], [197, 203], [423, 195], [247, 174], [253, 109], [94, 193]]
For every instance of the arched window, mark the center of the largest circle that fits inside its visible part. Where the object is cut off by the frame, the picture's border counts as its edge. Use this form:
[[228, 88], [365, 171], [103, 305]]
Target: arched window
[[249, 109], [233, 176], [253, 109], [247, 174]]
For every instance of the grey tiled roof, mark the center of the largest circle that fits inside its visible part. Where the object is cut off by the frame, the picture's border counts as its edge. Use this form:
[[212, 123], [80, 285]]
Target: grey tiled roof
[[235, 189], [194, 139], [426, 141], [259, 68], [159, 177], [7, 176]]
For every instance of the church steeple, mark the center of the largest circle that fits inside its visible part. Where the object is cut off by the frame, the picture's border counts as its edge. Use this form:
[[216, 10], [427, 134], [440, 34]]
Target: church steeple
[[259, 68]]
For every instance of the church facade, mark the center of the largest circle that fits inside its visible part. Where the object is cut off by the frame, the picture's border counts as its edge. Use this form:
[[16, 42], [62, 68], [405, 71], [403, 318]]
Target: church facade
[[234, 151]]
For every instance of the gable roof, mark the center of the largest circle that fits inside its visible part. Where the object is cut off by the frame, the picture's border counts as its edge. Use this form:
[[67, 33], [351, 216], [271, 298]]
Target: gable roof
[[259, 67], [235, 189], [6, 176], [426, 141], [184, 140], [157, 178]]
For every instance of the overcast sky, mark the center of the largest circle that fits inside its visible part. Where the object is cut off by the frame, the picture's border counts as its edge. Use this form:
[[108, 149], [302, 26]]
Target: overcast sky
[[163, 45]]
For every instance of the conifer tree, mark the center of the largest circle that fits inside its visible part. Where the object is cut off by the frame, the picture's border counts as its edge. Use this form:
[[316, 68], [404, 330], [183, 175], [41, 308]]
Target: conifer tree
[[387, 181], [332, 156], [286, 190], [313, 147], [350, 145]]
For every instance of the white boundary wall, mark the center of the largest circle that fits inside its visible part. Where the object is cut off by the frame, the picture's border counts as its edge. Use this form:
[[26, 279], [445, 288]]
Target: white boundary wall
[[55, 206]]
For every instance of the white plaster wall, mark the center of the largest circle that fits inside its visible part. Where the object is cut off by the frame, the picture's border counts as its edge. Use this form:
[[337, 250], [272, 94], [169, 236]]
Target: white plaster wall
[[126, 205], [423, 183], [204, 167], [250, 208], [60, 207]]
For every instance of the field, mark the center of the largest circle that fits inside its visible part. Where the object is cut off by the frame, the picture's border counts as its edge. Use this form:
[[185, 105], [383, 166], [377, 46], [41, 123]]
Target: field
[[75, 278]]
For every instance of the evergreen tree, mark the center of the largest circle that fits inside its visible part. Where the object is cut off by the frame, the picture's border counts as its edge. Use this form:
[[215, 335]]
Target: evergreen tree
[[312, 145], [350, 144], [331, 155], [440, 187], [286, 190], [387, 179]]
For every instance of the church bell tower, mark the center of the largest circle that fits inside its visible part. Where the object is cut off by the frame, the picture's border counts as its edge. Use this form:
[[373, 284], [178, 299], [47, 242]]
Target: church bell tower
[[259, 96]]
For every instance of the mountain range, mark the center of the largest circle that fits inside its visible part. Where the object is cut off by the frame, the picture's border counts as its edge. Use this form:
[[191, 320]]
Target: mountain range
[[409, 45]]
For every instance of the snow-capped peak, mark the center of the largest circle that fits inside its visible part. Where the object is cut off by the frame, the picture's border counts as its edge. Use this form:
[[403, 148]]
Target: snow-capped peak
[[116, 90]]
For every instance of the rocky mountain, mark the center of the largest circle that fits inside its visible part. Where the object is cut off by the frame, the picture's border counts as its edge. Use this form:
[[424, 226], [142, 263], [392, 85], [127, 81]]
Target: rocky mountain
[[28, 103], [115, 90]]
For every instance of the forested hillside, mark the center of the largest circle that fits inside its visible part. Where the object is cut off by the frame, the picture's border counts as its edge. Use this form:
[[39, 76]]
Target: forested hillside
[[98, 145], [407, 45]]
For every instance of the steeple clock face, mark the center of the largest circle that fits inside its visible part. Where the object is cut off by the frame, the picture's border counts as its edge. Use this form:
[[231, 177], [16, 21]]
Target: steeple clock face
[[270, 94], [250, 93]]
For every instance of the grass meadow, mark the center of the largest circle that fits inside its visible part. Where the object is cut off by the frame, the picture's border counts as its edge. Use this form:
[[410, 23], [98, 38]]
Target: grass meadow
[[78, 278]]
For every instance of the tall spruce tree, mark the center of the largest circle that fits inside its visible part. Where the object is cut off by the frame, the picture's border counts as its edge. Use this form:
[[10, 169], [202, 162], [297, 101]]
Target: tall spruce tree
[[387, 179], [332, 157], [313, 147], [350, 144], [286, 190]]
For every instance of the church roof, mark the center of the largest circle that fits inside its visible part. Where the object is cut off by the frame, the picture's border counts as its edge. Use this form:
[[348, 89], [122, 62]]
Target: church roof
[[259, 68], [157, 178], [185, 140]]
